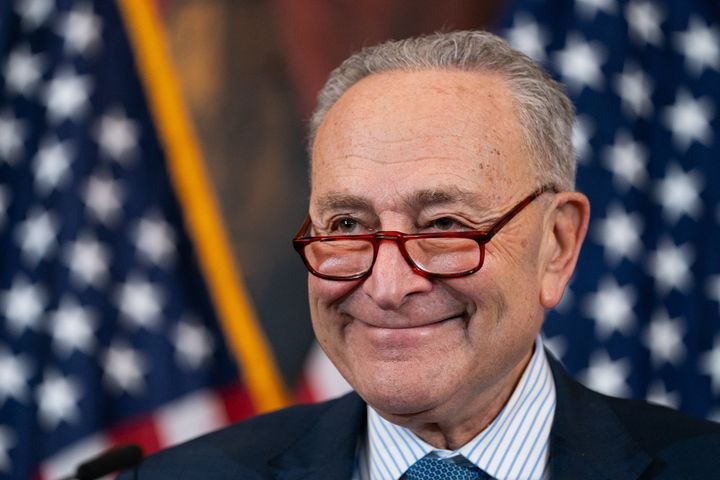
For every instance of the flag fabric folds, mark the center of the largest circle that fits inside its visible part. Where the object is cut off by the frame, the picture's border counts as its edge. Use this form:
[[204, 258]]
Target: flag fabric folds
[[642, 316], [120, 316]]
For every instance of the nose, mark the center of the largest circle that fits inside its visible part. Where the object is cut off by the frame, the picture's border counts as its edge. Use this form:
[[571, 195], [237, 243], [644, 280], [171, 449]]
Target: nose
[[392, 279]]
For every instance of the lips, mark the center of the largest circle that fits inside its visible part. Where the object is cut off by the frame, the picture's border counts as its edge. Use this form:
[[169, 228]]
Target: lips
[[398, 336], [403, 323]]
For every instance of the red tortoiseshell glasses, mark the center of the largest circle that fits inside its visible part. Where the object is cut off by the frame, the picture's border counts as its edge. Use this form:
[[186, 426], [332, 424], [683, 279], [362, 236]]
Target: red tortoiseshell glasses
[[437, 254]]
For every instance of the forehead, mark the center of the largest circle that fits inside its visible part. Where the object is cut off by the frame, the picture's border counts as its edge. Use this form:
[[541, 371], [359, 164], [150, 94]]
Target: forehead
[[409, 131]]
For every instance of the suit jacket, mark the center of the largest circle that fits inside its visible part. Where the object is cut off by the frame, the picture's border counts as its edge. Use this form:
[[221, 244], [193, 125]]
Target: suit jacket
[[593, 437]]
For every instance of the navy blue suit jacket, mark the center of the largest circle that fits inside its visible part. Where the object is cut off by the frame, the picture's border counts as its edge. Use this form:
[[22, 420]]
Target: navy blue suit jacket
[[593, 437]]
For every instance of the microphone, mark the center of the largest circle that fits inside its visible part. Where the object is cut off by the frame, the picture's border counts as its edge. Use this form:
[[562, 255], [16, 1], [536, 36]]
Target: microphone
[[118, 458]]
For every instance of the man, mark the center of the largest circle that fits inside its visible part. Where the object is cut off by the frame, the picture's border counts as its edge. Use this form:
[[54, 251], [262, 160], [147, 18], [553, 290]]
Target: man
[[442, 224]]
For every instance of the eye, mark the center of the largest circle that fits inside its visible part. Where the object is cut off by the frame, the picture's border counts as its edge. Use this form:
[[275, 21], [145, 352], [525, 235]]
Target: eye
[[345, 226], [444, 224]]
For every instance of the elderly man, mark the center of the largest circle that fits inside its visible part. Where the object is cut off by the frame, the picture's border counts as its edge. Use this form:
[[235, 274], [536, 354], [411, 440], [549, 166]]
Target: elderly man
[[442, 224]]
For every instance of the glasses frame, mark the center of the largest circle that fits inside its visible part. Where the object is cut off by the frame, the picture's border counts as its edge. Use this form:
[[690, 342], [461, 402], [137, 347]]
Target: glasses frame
[[482, 237]]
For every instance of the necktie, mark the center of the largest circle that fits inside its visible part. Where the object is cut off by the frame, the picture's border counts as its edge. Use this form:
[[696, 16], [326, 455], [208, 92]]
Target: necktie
[[433, 468]]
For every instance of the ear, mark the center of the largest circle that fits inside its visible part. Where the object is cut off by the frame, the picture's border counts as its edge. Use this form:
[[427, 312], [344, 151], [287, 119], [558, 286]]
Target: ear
[[565, 228]]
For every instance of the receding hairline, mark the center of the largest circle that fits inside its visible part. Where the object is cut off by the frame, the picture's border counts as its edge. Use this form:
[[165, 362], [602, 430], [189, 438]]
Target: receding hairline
[[545, 112]]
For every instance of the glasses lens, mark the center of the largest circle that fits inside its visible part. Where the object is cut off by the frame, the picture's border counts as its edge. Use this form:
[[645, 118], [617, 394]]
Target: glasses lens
[[445, 255], [340, 258]]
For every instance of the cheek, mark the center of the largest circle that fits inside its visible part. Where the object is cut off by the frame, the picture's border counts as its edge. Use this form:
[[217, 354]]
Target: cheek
[[325, 293]]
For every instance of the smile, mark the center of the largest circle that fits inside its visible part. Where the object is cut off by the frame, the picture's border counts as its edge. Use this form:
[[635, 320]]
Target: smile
[[395, 335]]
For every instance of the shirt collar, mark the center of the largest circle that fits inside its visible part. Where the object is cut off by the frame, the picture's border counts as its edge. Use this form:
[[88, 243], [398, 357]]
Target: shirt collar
[[514, 445]]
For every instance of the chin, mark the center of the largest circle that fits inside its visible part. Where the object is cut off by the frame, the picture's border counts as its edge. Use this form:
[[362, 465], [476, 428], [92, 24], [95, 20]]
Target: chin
[[399, 393]]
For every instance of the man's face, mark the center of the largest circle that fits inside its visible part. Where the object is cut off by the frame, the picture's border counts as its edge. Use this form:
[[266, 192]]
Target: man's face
[[417, 152]]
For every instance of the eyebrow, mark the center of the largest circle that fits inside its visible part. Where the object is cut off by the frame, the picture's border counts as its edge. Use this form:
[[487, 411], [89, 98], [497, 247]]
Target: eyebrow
[[341, 201], [442, 196], [418, 200]]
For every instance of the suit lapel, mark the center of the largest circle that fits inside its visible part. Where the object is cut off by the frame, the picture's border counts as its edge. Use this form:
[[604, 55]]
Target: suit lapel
[[327, 448], [587, 439]]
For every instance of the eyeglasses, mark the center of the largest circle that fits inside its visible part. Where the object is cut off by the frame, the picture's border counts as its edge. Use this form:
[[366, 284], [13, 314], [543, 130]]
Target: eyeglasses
[[437, 255]]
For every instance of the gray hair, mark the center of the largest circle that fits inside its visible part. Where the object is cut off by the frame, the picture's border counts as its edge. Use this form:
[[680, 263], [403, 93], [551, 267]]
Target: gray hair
[[545, 112]]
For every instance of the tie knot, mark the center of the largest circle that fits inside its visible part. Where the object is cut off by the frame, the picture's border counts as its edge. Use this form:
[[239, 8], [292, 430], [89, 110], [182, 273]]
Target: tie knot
[[434, 468]]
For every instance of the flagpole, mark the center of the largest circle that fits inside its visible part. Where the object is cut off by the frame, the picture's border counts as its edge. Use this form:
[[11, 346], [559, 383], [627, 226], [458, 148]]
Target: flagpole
[[199, 207]]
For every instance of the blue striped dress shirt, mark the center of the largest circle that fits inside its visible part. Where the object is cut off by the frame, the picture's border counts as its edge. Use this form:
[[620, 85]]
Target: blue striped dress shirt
[[514, 446]]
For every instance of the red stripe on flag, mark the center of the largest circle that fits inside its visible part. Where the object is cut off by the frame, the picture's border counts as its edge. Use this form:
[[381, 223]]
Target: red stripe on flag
[[141, 432], [237, 402], [303, 392]]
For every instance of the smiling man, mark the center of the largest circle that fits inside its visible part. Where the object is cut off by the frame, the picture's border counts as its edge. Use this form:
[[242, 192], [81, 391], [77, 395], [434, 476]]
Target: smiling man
[[442, 224]]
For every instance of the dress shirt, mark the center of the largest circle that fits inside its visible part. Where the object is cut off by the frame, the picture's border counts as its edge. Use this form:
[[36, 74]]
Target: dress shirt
[[514, 446]]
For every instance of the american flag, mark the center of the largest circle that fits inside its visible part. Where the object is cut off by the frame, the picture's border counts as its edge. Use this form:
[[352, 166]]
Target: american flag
[[642, 315], [109, 330]]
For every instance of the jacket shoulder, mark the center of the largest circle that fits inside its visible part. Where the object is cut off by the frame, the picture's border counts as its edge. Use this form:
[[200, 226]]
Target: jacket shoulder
[[242, 450], [595, 433], [666, 432]]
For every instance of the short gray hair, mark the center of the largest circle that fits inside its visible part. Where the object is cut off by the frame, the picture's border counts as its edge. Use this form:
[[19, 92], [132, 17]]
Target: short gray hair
[[545, 112]]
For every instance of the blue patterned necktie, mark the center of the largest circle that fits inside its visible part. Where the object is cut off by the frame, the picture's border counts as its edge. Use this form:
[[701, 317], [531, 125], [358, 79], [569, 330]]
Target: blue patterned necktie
[[434, 468]]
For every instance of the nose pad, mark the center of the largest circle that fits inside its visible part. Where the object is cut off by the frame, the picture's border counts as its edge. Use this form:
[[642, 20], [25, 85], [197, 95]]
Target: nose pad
[[392, 279]]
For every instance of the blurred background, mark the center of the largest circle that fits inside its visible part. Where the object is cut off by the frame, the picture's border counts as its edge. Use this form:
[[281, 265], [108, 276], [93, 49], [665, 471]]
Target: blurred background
[[250, 72], [113, 327]]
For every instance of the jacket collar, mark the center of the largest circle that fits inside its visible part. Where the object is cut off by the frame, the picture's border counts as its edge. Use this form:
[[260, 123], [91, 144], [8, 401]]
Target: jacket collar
[[327, 448], [587, 439]]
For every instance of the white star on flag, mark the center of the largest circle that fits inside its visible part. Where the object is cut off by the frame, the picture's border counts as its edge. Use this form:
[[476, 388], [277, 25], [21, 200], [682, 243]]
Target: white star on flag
[[140, 302], [710, 365], [22, 305], [689, 120], [619, 234], [154, 238], [664, 338], [606, 375], [12, 137], [23, 70], [80, 28], [88, 260], [634, 88], [627, 160], [103, 198], [670, 266], [580, 63], [34, 12], [67, 95], [611, 307], [15, 372], [125, 369], [193, 344], [36, 236], [679, 194], [700, 45], [52, 165], [644, 19], [73, 328], [117, 135], [528, 37], [57, 398]]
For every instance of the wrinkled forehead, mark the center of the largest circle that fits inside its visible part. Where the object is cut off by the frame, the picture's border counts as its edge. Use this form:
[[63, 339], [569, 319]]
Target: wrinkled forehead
[[430, 126]]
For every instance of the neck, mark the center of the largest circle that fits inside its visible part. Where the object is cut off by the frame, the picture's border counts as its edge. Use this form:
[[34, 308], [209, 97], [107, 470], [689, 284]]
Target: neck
[[451, 429]]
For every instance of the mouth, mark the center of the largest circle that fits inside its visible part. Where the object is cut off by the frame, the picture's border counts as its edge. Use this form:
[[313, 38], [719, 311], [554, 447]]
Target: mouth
[[403, 335], [407, 324]]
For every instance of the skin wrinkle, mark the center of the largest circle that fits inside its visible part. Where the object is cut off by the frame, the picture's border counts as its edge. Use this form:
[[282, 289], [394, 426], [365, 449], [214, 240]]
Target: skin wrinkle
[[473, 210], [440, 357]]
